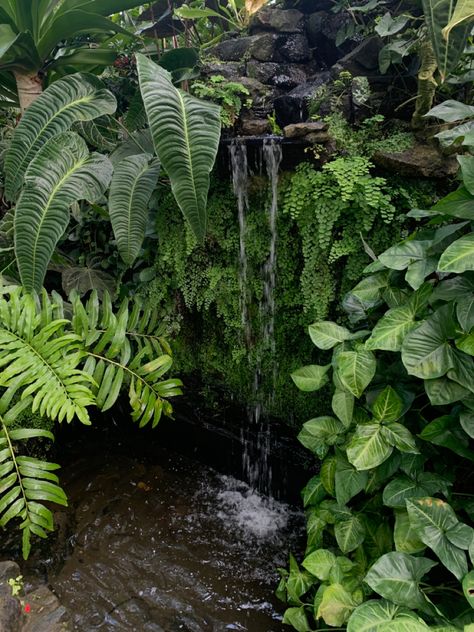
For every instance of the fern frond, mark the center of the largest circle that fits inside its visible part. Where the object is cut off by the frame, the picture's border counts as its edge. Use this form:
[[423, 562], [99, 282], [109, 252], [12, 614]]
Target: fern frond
[[123, 349], [26, 482], [42, 360]]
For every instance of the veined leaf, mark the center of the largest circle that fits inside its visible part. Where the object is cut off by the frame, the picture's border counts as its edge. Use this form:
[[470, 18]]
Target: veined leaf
[[79, 97], [311, 377], [186, 134], [388, 405], [433, 519], [343, 406], [326, 334], [368, 447], [396, 577], [317, 434], [438, 14], [355, 369], [404, 535], [458, 256], [132, 185], [336, 605], [390, 331], [463, 12], [372, 614], [61, 173], [349, 533]]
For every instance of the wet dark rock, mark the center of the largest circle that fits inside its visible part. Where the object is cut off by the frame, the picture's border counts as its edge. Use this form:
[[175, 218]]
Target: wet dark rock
[[279, 75], [10, 609], [229, 70], [299, 130], [255, 127], [307, 6], [294, 48], [47, 614], [419, 161], [318, 137], [293, 107], [262, 96], [322, 29], [363, 60], [261, 47], [279, 20]]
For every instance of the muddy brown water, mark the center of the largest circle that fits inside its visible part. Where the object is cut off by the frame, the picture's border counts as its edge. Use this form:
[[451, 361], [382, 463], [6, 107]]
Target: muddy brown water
[[166, 544]]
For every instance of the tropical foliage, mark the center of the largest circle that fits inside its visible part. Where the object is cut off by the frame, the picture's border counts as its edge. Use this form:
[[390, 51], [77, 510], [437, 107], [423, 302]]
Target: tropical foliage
[[390, 514]]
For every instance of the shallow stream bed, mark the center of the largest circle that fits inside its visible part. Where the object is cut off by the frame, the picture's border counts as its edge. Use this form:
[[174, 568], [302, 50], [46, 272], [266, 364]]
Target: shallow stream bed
[[167, 544]]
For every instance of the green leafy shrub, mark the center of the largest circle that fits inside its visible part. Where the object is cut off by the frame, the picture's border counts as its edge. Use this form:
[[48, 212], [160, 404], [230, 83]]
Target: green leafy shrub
[[230, 95], [390, 514]]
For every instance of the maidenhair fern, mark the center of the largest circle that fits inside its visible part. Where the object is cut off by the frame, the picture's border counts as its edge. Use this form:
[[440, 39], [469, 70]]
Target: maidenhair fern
[[60, 366]]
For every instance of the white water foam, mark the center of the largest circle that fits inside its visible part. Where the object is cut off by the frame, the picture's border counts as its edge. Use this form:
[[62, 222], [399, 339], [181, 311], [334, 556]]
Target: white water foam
[[255, 515]]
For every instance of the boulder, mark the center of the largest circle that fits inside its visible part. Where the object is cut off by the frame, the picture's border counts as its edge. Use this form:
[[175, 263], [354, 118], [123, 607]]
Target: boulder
[[261, 47], [10, 609], [285, 76], [322, 29], [46, 614], [299, 130], [307, 6], [293, 107], [262, 96], [363, 59], [294, 48], [254, 127], [423, 161], [278, 20], [229, 70]]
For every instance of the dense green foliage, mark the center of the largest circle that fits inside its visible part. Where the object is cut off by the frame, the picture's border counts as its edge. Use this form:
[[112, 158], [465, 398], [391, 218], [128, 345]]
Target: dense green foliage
[[390, 513]]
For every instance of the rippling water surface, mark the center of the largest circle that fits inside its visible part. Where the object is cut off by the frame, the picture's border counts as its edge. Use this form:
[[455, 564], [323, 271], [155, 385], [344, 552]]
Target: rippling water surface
[[170, 545]]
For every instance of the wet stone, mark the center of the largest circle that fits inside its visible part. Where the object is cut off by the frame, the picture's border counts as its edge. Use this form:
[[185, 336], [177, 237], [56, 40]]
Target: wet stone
[[294, 49], [300, 130], [422, 160], [47, 614], [280, 75], [293, 107], [10, 610], [255, 127], [261, 47], [279, 20], [229, 70]]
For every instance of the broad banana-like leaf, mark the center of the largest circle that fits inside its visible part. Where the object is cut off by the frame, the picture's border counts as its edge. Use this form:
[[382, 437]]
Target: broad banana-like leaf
[[79, 97], [61, 173], [463, 12], [17, 50], [67, 25], [186, 135], [132, 185], [101, 7], [438, 14]]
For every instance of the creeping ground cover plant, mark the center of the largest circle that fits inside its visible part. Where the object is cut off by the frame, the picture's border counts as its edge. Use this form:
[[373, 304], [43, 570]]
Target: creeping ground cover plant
[[390, 538]]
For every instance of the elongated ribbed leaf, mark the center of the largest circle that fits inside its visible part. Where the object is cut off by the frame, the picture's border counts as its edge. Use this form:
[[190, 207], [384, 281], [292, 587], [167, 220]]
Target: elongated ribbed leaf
[[132, 185], [186, 135], [438, 14], [463, 12], [61, 173], [79, 97]]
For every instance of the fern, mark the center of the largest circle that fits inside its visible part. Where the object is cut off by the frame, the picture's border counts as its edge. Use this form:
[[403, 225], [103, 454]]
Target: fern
[[25, 482], [123, 349]]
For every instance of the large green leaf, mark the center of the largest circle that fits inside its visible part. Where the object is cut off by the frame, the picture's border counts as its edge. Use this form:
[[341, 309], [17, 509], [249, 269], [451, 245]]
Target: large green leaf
[[396, 576], [132, 185], [326, 334], [79, 97], [404, 535], [336, 605], [463, 12], [348, 481], [186, 134], [404, 488], [388, 405], [433, 520], [317, 434], [349, 533], [444, 431], [458, 256], [343, 406], [311, 377], [452, 111], [17, 51], [438, 14], [426, 351], [371, 615], [355, 370], [61, 173], [390, 331], [400, 256], [368, 447]]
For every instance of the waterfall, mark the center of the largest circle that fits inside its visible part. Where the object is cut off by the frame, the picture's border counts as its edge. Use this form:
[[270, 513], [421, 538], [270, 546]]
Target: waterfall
[[256, 436], [239, 170]]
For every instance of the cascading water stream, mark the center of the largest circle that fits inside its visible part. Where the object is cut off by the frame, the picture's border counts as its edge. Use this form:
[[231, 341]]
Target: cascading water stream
[[256, 438], [239, 169]]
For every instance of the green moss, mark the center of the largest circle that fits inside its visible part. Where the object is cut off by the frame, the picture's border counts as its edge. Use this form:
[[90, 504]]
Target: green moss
[[320, 254]]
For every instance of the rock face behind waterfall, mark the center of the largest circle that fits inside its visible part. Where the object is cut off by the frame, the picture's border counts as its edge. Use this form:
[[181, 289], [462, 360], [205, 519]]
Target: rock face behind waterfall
[[37, 611], [285, 55]]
